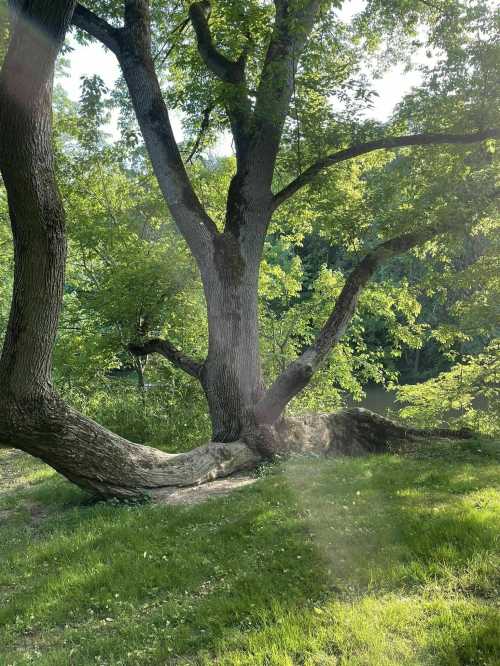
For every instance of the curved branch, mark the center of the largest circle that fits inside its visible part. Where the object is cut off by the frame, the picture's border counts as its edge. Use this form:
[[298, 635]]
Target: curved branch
[[226, 70], [96, 27], [166, 349], [298, 374], [389, 142], [237, 103]]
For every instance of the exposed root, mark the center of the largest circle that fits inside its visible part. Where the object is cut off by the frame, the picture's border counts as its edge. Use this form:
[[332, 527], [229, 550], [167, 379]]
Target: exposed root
[[110, 466], [351, 432]]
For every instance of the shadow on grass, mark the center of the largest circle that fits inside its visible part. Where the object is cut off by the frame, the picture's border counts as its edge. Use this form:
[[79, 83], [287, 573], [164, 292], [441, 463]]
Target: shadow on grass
[[294, 566]]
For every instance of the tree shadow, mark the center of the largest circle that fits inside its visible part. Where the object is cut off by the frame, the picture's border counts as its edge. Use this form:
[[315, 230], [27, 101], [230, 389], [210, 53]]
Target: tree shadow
[[169, 581]]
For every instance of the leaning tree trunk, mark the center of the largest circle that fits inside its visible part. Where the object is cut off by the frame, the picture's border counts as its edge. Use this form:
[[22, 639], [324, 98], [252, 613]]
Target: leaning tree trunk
[[32, 416]]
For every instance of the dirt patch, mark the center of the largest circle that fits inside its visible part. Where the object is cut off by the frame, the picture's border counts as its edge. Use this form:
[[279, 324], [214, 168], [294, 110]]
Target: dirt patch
[[37, 512], [14, 467], [204, 492]]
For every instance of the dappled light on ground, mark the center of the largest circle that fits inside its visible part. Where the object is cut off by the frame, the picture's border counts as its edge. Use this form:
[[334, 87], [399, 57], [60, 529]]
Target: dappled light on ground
[[380, 560]]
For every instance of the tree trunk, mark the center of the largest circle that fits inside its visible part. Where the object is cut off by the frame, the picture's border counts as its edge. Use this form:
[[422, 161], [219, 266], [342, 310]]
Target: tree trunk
[[37, 216], [32, 416], [133, 50], [231, 376]]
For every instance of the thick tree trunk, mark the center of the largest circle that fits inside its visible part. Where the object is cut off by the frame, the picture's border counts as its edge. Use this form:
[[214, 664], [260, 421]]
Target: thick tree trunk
[[228, 263], [231, 376], [109, 466]]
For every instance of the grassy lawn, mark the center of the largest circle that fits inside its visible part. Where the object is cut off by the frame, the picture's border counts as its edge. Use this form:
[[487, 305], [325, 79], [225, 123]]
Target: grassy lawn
[[389, 560]]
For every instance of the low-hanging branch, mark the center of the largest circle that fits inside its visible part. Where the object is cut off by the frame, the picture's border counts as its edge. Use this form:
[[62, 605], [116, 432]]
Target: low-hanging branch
[[166, 349], [298, 374], [307, 176]]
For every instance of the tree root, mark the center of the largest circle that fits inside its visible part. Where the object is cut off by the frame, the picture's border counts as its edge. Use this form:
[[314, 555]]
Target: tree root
[[108, 465], [351, 432]]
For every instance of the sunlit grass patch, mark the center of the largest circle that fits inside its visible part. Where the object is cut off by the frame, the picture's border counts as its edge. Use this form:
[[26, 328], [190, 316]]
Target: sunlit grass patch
[[385, 630], [380, 560]]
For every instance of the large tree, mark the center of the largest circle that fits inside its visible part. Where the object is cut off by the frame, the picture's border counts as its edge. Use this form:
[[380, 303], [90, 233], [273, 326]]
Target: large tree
[[254, 78]]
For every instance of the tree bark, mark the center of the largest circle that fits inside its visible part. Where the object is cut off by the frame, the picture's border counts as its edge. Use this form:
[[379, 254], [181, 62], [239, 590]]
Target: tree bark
[[299, 373], [104, 463], [351, 432], [36, 212], [231, 375]]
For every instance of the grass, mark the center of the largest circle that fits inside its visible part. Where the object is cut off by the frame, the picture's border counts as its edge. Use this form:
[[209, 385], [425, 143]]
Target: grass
[[389, 560]]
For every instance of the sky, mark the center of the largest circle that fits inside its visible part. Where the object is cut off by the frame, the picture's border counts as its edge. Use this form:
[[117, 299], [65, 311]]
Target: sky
[[94, 59]]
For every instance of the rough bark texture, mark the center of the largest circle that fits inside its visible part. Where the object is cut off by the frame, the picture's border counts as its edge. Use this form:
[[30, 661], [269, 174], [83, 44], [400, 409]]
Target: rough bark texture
[[351, 432], [231, 376], [104, 463], [37, 216]]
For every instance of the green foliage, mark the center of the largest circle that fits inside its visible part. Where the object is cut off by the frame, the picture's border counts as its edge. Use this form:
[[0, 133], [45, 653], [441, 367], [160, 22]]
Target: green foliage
[[467, 395], [169, 414], [378, 560], [384, 323]]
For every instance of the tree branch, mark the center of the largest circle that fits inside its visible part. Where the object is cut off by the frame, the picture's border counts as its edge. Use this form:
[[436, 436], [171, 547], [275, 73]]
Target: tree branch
[[96, 27], [171, 353], [298, 374], [226, 70], [293, 24], [237, 103], [133, 51], [205, 124], [389, 142]]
